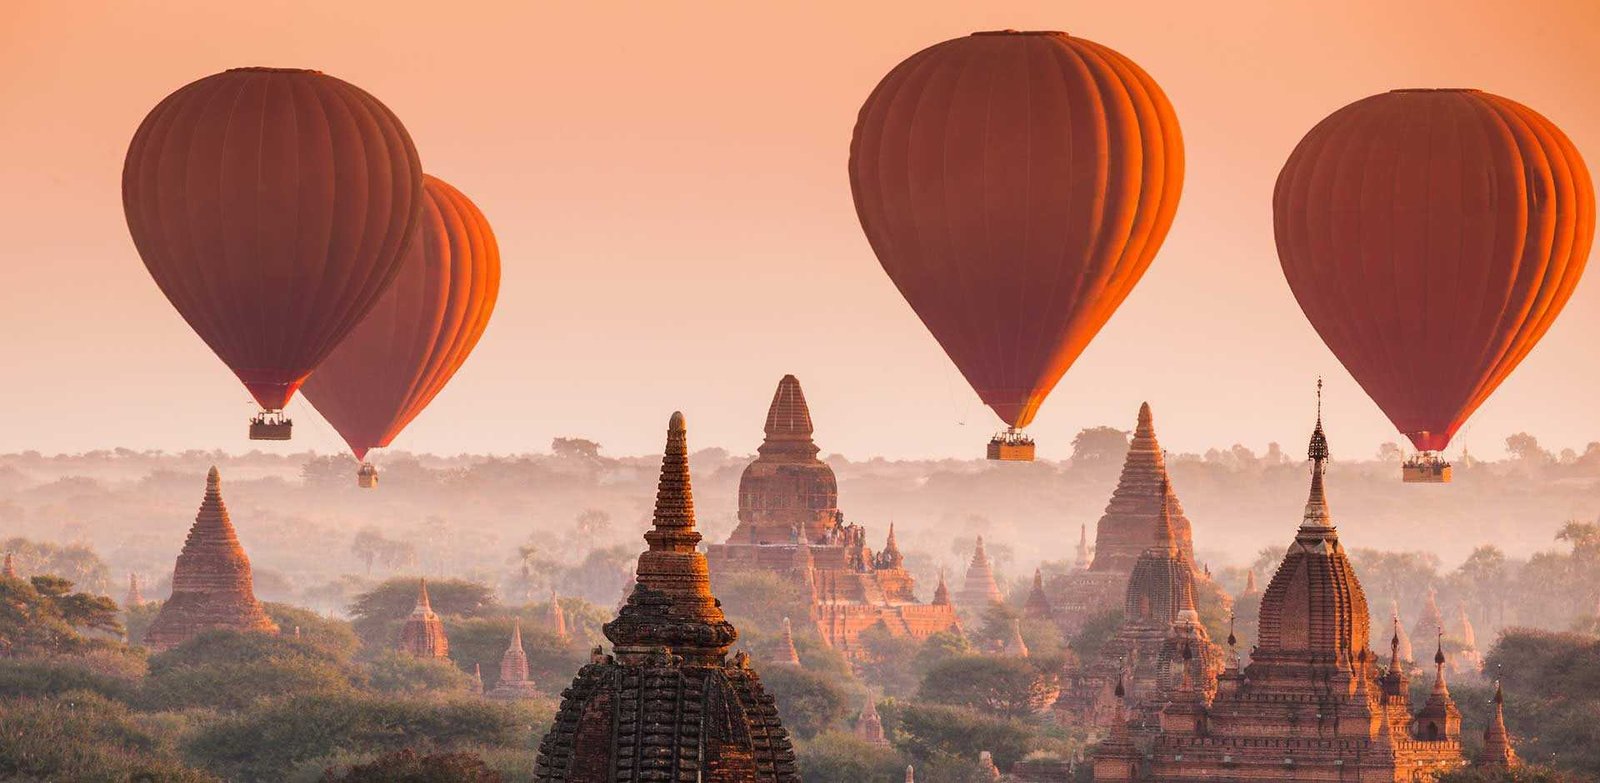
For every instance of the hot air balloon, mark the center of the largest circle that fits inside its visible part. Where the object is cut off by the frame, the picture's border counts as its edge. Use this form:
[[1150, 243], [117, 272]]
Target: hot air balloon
[[1015, 186], [1432, 237], [418, 334], [272, 206]]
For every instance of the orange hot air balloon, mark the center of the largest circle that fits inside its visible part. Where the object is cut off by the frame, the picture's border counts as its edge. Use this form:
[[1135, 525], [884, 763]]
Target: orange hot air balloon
[[272, 206], [1015, 186], [1432, 237], [418, 334]]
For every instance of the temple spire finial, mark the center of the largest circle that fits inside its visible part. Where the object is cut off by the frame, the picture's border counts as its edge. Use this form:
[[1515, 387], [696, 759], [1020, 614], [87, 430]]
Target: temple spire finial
[[1317, 517]]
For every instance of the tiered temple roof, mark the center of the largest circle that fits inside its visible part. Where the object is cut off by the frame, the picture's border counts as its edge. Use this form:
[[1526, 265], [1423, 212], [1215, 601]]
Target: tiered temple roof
[[668, 705], [979, 591], [212, 585], [787, 491], [514, 682], [423, 633]]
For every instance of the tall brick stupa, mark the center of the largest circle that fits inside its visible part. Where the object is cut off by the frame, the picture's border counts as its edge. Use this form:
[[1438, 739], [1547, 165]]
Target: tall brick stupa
[[212, 585], [669, 703], [1130, 525]]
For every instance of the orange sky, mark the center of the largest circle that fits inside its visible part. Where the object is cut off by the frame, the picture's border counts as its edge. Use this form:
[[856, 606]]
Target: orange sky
[[668, 185]]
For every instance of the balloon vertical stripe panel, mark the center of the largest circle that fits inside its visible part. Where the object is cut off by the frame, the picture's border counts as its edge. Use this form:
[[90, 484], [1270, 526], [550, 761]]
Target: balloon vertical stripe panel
[[1432, 237], [1015, 186], [420, 332], [272, 207]]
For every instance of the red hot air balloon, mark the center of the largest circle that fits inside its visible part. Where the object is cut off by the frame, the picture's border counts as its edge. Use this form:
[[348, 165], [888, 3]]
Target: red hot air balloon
[[1015, 186], [418, 334], [272, 206], [1432, 237]]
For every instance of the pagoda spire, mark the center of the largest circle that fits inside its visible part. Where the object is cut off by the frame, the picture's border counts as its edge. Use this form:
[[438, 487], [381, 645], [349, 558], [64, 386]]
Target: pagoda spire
[[1038, 604], [788, 429], [477, 678], [1497, 752], [8, 570], [941, 592], [869, 727], [1249, 582], [1317, 519], [134, 598], [1128, 526], [1439, 718], [1082, 562], [890, 557], [980, 591], [556, 617], [424, 604], [671, 605], [1015, 646], [1469, 637], [1400, 634], [787, 654]]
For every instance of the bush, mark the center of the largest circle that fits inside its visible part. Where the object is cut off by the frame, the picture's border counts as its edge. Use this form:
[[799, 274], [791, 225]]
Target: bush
[[232, 671], [266, 743], [399, 673], [808, 703], [407, 766], [84, 738], [834, 757], [107, 674]]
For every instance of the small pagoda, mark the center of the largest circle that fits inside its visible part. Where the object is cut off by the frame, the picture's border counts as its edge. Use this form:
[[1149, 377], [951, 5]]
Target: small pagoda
[[668, 704], [979, 591], [423, 636], [514, 684], [212, 586]]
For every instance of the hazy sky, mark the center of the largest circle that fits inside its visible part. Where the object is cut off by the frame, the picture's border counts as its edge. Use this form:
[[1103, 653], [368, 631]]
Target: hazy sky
[[668, 185]]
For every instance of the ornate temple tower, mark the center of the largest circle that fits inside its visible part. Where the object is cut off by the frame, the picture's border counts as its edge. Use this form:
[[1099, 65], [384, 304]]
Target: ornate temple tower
[[979, 591], [1129, 524], [8, 569], [668, 705], [1402, 638], [423, 633], [1314, 704], [514, 683], [790, 525], [1144, 655], [787, 492], [212, 585]]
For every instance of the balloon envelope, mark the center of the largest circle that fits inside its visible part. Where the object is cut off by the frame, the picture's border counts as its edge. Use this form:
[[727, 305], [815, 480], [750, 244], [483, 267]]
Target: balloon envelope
[[421, 330], [1015, 186], [1431, 237], [272, 207]]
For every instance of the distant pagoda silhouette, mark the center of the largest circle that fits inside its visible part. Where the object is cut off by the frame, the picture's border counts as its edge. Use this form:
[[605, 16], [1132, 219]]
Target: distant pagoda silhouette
[[212, 585], [979, 591], [514, 683], [423, 635], [669, 705]]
